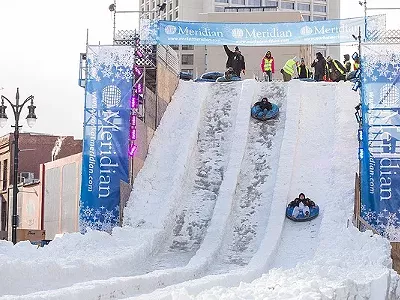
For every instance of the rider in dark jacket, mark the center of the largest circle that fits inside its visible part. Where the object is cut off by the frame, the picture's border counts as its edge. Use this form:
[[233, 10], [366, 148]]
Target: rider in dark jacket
[[302, 198], [264, 104], [235, 60]]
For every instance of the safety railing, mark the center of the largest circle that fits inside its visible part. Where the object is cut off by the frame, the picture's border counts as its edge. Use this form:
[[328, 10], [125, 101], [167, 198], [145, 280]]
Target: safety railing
[[169, 57]]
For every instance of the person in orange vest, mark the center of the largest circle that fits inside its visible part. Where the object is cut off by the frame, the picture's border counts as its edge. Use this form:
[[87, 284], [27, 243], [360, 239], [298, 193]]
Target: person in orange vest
[[268, 66]]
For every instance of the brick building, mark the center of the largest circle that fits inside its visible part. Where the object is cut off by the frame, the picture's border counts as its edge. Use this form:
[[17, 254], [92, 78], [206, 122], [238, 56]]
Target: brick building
[[35, 149]]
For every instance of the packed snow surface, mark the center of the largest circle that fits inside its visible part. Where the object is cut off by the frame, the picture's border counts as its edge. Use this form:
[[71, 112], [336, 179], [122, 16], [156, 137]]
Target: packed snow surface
[[206, 217]]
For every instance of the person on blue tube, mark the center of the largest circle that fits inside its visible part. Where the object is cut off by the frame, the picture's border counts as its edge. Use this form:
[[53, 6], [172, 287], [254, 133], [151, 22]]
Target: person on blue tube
[[264, 104], [301, 204]]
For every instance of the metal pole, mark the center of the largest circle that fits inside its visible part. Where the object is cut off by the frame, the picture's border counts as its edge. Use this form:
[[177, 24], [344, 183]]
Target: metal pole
[[365, 22], [114, 21], [15, 178]]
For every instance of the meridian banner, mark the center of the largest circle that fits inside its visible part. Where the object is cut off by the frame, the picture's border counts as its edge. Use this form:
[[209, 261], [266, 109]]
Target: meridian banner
[[106, 135], [258, 34], [380, 152]]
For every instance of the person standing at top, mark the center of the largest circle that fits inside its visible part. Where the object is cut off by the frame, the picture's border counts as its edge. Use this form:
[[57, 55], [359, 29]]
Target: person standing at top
[[268, 66], [337, 71], [289, 68], [347, 63], [302, 70], [319, 65], [356, 64], [235, 60]]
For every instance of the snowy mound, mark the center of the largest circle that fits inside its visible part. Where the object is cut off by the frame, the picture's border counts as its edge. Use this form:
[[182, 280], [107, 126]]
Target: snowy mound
[[206, 217]]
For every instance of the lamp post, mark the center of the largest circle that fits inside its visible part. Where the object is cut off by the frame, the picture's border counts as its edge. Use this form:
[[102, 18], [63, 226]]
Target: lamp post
[[31, 119]]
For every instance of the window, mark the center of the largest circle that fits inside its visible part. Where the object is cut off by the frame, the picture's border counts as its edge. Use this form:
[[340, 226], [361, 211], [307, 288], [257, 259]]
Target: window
[[319, 18], [5, 174], [175, 47], [306, 17], [241, 2], [320, 8], [271, 3], [176, 14], [170, 6], [176, 3], [219, 9], [222, 1], [303, 6], [254, 2], [187, 59], [187, 47], [287, 5], [170, 17]]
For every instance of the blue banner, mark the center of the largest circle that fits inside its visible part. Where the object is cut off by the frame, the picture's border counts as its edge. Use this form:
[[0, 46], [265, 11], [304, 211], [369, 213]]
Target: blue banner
[[257, 34], [380, 155], [106, 135]]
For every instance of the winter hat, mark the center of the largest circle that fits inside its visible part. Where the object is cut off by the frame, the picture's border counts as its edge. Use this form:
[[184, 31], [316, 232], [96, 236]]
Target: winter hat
[[303, 195], [329, 58], [319, 55], [268, 52], [346, 57], [265, 99], [302, 60], [236, 48]]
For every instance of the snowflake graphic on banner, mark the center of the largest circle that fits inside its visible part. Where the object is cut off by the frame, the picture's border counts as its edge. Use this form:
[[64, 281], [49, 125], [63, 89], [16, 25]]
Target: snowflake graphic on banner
[[376, 25], [386, 223], [102, 60], [98, 219], [380, 63], [148, 31]]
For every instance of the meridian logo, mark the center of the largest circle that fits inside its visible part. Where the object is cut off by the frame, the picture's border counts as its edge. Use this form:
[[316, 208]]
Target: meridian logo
[[170, 29], [237, 33], [306, 30], [326, 30], [111, 96]]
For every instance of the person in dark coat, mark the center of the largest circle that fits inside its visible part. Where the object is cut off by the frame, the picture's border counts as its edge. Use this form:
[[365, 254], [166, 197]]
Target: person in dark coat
[[302, 70], [347, 63], [264, 104], [319, 66], [301, 204], [337, 71], [235, 60]]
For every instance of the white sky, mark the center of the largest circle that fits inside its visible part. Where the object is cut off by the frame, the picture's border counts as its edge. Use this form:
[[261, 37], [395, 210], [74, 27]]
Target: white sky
[[40, 45]]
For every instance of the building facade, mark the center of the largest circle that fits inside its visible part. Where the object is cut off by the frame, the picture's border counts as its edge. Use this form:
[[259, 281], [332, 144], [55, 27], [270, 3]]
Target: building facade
[[35, 149], [191, 10]]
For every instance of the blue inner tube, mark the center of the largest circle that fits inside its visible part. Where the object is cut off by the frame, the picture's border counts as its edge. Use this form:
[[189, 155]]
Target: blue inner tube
[[314, 212], [263, 115]]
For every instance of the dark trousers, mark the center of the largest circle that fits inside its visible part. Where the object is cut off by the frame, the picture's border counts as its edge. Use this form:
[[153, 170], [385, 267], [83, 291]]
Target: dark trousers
[[237, 72], [268, 75]]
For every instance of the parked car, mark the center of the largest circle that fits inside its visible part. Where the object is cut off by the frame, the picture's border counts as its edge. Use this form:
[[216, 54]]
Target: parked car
[[185, 76], [209, 77]]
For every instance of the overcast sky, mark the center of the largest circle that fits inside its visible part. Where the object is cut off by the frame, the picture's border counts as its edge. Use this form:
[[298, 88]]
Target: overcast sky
[[40, 44]]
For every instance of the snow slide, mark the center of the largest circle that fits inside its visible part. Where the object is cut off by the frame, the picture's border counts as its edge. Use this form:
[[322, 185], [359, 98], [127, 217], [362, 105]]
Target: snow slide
[[324, 258]]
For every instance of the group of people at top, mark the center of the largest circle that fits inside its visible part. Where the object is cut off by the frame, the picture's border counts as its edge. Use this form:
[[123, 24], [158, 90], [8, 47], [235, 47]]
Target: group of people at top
[[324, 69]]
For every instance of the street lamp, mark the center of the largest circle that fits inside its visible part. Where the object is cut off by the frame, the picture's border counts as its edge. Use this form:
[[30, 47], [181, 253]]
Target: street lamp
[[30, 119]]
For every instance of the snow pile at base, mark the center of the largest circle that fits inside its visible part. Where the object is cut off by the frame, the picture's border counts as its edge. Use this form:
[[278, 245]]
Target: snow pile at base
[[97, 255]]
